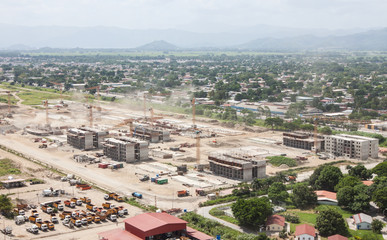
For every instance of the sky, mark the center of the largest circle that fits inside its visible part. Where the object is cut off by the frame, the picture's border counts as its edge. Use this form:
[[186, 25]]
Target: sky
[[196, 15]]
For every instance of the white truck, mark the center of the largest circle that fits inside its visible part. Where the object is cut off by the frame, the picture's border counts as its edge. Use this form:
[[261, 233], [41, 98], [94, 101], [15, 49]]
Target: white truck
[[33, 229], [20, 219]]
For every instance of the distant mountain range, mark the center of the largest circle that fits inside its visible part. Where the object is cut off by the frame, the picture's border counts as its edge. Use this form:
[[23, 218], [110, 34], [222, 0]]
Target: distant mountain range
[[261, 37]]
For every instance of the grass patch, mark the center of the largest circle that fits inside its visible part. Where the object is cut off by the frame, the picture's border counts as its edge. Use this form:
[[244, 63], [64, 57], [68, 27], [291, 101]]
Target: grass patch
[[219, 200], [216, 212], [133, 202], [8, 167], [279, 160], [37, 98]]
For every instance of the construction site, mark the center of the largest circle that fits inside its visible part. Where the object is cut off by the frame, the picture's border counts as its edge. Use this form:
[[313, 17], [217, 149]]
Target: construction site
[[138, 150]]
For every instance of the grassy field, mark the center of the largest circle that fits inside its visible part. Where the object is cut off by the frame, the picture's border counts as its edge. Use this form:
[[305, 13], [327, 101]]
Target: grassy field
[[7, 167], [36, 98], [216, 212], [279, 160]]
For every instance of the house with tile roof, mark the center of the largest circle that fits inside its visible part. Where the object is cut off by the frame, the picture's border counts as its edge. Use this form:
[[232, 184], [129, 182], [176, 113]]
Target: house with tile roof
[[337, 237], [326, 197], [275, 223], [305, 232]]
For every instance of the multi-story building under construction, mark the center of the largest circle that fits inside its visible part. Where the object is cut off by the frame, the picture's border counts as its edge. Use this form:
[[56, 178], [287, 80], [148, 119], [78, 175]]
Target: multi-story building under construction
[[85, 138], [125, 149], [302, 140], [153, 135], [352, 146], [240, 168]]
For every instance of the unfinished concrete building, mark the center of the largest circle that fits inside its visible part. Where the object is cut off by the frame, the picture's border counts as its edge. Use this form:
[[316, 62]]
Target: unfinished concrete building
[[153, 135], [235, 167], [125, 149], [301, 140], [80, 139], [98, 136], [352, 146]]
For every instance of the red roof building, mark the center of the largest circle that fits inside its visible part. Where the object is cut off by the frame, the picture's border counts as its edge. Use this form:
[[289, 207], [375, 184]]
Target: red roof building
[[326, 197], [337, 237], [305, 229], [367, 183], [156, 225], [275, 223]]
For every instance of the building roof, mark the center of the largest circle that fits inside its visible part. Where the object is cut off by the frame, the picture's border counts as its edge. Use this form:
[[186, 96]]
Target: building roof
[[305, 229], [321, 194], [276, 219], [361, 217], [367, 183], [149, 221], [13, 180], [337, 237], [118, 234], [198, 235]]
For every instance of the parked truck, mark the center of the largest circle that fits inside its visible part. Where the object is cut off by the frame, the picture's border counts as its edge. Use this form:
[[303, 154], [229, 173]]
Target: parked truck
[[50, 225], [86, 200], [182, 193], [69, 203], [58, 206], [18, 211], [91, 207], [200, 192], [118, 198], [53, 218], [32, 229], [34, 219], [42, 226], [137, 195], [64, 214], [107, 205], [20, 219], [109, 196], [77, 201], [77, 222], [47, 209]]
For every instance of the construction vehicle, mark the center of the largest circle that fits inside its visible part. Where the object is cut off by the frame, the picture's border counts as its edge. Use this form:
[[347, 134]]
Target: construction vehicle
[[35, 213], [18, 211], [85, 200], [50, 225], [64, 214], [107, 205], [53, 218], [76, 222], [91, 207], [32, 229], [76, 201], [109, 196], [69, 203], [43, 145], [84, 221], [34, 219], [96, 219], [121, 208], [118, 198], [200, 192], [47, 209], [101, 216], [137, 195], [58, 206], [7, 231], [42, 226], [20, 219], [89, 219], [182, 193]]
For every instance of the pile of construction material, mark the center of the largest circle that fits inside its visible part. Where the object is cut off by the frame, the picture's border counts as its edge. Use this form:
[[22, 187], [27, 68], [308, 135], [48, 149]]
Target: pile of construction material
[[111, 165]]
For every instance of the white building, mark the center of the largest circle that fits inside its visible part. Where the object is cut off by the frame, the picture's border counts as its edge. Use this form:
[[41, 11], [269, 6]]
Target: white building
[[305, 232], [352, 146]]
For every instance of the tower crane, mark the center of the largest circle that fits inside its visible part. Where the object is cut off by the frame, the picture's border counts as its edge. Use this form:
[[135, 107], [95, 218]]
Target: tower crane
[[9, 94], [197, 135], [46, 106], [98, 95]]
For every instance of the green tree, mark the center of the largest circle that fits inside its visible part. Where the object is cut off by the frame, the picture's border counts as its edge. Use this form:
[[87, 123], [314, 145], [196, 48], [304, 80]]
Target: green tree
[[377, 225], [274, 122], [345, 196], [328, 178], [347, 181], [326, 130], [380, 169], [355, 198], [5, 205], [277, 192], [260, 236], [329, 222], [379, 197], [252, 212], [303, 196], [361, 172]]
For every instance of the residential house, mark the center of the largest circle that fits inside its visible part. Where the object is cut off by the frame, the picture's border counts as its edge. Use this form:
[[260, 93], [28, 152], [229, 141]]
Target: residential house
[[305, 232], [337, 237], [362, 221], [326, 197], [275, 223]]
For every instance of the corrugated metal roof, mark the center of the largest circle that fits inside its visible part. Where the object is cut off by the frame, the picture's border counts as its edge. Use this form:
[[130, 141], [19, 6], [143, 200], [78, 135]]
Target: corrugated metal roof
[[148, 221], [305, 229], [118, 234], [337, 237], [198, 235], [361, 217]]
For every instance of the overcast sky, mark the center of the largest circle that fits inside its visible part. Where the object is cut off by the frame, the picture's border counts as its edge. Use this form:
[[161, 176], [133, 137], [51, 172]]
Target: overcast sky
[[196, 14]]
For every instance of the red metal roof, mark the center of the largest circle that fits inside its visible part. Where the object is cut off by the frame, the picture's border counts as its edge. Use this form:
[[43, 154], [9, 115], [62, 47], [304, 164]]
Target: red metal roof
[[337, 237], [368, 183], [276, 219], [305, 229], [149, 221], [325, 194], [198, 235], [118, 234]]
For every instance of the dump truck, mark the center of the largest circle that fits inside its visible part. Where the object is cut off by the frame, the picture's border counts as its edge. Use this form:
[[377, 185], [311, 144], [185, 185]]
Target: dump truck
[[85, 200], [76, 222], [69, 203], [96, 219], [32, 229], [200, 192], [58, 206], [144, 178], [53, 218], [121, 208], [107, 205], [76, 201], [35, 213], [118, 198], [101, 216], [47, 209], [42, 226], [91, 207], [64, 214], [137, 195], [182, 193], [34, 219], [18, 211], [109, 196], [50, 225]]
